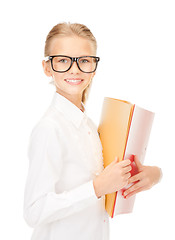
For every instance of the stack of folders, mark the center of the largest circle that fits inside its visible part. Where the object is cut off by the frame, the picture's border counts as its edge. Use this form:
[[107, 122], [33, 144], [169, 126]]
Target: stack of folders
[[124, 131]]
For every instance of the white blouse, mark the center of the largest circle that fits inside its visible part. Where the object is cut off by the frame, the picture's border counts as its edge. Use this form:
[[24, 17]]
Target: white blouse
[[65, 155]]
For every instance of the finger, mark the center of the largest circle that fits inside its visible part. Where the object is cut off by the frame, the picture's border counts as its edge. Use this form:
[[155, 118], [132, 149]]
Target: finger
[[135, 187], [125, 163], [135, 178], [127, 176], [134, 192], [127, 169]]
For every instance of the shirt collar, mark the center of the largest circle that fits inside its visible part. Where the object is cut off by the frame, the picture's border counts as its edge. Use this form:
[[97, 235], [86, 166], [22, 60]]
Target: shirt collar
[[66, 107]]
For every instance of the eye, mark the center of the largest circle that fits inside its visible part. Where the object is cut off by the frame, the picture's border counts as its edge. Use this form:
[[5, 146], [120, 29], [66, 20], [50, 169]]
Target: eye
[[63, 60], [84, 60]]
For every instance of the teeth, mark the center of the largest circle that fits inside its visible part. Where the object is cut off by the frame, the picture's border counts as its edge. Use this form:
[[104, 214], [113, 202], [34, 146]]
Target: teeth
[[73, 80]]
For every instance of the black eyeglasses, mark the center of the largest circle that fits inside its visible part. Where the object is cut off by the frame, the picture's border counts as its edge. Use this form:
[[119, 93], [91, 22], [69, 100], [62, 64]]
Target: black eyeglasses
[[62, 63]]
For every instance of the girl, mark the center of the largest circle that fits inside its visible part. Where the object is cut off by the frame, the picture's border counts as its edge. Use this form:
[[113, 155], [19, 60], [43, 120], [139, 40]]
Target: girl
[[66, 183]]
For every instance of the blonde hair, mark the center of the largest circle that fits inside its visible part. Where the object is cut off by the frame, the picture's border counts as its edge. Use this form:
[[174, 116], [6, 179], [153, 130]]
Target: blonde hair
[[69, 29]]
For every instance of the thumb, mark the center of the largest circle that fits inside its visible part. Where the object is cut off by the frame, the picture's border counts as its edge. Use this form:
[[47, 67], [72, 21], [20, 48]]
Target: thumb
[[137, 162], [116, 160]]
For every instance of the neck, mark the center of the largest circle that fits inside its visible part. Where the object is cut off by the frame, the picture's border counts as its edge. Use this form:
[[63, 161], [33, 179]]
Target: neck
[[75, 99]]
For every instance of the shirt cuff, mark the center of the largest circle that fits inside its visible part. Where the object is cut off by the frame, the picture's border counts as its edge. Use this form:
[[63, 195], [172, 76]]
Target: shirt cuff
[[84, 191]]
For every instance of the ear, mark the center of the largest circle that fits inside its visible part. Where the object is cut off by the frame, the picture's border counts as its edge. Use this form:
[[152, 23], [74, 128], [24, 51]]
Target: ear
[[46, 68]]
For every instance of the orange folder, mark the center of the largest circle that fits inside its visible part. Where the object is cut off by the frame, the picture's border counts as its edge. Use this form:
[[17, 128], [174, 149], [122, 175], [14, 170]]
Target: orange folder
[[124, 131]]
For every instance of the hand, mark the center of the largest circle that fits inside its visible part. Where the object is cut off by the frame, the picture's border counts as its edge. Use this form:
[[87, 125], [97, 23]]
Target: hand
[[113, 178], [144, 180]]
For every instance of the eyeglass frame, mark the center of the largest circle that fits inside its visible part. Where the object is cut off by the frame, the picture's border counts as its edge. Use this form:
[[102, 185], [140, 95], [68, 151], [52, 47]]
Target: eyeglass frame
[[73, 59]]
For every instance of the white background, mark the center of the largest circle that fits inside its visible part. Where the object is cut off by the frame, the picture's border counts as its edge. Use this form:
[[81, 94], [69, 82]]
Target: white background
[[136, 44]]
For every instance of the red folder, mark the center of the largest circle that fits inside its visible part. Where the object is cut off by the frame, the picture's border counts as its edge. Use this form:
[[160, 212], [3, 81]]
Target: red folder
[[124, 131]]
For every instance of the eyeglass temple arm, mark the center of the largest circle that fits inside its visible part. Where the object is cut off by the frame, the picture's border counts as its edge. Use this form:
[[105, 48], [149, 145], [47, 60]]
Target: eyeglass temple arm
[[47, 58]]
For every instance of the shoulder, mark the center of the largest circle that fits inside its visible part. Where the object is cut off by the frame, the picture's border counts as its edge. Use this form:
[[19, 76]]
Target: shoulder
[[44, 128], [51, 120], [44, 136]]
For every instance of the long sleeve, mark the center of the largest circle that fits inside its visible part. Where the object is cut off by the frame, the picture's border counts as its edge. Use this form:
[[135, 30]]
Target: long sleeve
[[46, 160]]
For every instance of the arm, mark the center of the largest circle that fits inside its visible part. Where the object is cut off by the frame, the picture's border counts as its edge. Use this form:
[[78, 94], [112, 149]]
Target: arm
[[41, 203]]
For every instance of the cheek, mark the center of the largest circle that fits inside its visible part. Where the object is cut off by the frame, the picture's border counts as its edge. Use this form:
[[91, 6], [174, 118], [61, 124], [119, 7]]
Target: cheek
[[58, 77], [89, 77], [87, 81]]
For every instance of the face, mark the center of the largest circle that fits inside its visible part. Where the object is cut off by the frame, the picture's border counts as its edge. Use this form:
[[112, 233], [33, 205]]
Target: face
[[72, 46]]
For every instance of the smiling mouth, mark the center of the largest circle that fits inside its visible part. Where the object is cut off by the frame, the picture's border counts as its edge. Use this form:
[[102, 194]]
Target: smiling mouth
[[74, 81]]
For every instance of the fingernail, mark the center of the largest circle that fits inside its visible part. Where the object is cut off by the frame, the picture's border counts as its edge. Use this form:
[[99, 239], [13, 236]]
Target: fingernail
[[124, 194]]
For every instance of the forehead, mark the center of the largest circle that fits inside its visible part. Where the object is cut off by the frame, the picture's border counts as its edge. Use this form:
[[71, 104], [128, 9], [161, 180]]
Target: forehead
[[71, 46]]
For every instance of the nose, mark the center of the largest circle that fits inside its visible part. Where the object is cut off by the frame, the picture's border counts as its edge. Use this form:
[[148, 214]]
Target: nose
[[74, 69]]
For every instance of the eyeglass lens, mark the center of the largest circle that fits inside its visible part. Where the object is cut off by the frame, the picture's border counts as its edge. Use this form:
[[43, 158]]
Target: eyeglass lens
[[86, 64]]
